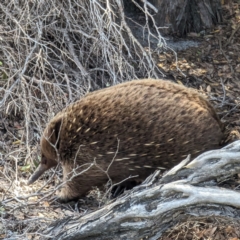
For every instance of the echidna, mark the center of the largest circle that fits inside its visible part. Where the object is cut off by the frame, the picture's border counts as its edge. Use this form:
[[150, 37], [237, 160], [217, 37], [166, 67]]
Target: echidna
[[146, 123]]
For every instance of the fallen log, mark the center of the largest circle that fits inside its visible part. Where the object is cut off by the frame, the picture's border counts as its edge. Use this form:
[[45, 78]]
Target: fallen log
[[189, 189]]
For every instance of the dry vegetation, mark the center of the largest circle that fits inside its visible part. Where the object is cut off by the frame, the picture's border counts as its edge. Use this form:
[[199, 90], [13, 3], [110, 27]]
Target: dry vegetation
[[52, 52]]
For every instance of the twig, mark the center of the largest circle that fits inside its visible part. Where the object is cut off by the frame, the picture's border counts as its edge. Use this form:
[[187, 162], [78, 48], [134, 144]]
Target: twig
[[224, 93]]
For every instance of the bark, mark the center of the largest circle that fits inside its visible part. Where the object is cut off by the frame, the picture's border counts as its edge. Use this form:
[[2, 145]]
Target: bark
[[181, 16], [190, 188]]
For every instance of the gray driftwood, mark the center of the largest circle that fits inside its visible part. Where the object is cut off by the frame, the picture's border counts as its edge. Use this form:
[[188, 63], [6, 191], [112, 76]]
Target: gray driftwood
[[191, 188]]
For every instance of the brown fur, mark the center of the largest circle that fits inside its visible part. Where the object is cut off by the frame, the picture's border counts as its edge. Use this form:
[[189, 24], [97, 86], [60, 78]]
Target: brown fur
[[157, 124]]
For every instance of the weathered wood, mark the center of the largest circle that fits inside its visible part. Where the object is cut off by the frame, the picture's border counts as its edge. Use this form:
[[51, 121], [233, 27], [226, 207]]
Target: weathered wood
[[149, 209]]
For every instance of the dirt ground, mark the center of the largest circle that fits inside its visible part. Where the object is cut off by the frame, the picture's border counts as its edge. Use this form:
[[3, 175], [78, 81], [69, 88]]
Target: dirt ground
[[214, 69], [214, 228]]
